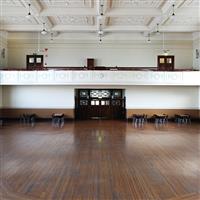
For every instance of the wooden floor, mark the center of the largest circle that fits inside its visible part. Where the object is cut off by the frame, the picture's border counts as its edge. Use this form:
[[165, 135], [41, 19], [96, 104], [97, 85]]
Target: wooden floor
[[100, 160]]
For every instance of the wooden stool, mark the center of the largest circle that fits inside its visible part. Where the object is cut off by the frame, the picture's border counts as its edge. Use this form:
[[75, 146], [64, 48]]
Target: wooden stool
[[58, 119], [160, 118], [182, 119], [27, 118]]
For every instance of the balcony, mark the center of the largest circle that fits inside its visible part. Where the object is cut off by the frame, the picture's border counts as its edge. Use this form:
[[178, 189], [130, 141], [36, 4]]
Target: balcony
[[99, 77]]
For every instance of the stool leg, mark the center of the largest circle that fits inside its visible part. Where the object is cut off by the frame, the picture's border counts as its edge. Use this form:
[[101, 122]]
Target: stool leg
[[62, 122]]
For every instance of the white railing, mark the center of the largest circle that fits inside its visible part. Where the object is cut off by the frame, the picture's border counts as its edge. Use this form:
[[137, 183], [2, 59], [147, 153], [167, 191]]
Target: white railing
[[54, 77]]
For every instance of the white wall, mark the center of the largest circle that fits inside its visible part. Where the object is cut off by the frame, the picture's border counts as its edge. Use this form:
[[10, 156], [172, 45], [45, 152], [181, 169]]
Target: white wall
[[149, 97], [3, 47], [162, 97], [38, 97], [106, 55], [129, 50]]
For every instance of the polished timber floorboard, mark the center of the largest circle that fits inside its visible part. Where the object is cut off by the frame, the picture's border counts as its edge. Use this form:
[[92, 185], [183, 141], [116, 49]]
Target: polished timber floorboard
[[100, 160]]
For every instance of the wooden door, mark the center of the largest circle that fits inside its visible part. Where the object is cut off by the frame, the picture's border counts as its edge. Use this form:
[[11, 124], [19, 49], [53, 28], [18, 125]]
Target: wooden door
[[165, 63], [34, 61]]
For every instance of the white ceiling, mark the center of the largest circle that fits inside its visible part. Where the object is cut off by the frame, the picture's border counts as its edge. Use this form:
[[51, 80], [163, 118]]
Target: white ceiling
[[80, 16]]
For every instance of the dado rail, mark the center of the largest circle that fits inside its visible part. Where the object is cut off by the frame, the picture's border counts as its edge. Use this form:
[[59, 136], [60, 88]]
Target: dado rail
[[62, 77]]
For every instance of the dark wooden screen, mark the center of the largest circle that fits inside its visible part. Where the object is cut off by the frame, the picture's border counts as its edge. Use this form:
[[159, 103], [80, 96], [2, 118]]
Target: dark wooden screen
[[100, 104]]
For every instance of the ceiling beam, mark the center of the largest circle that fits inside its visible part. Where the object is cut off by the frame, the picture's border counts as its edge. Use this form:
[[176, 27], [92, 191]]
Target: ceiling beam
[[71, 28], [11, 11], [166, 14], [36, 10], [126, 29]]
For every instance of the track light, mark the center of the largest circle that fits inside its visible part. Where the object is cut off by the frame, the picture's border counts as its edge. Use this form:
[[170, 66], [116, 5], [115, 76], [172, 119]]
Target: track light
[[28, 16], [44, 31]]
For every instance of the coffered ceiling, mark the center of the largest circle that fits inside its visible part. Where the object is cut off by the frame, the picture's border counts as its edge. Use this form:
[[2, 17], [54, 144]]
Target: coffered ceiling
[[85, 16]]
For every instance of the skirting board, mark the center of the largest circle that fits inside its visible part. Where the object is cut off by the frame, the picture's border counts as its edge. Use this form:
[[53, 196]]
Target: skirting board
[[170, 112], [69, 113], [41, 113]]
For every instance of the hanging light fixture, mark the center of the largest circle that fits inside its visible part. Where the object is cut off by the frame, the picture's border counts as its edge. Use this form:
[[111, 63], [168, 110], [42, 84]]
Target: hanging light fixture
[[101, 14], [38, 44], [157, 30], [51, 39], [173, 11], [100, 39], [101, 10], [149, 38], [28, 16], [100, 33], [44, 31], [165, 51]]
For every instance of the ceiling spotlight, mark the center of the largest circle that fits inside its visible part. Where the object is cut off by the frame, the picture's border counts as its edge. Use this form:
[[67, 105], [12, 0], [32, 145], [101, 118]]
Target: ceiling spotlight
[[44, 31], [100, 39], [149, 38], [29, 11], [51, 40], [173, 11], [101, 12], [157, 31]]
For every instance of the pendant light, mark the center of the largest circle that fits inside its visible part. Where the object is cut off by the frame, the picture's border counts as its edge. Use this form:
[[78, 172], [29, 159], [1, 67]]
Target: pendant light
[[44, 31]]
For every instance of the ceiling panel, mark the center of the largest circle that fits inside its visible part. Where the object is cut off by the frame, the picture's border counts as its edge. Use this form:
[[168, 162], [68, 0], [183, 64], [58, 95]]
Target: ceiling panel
[[184, 21], [192, 3], [18, 20], [11, 3], [137, 3], [136, 20], [84, 15], [73, 20], [66, 3]]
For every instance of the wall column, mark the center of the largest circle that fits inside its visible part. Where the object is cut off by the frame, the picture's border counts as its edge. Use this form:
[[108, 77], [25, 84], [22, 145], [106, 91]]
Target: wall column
[[196, 50], [3, 49]]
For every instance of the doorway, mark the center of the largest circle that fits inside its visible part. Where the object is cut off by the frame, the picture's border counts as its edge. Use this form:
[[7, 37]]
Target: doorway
[[100, 104]]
